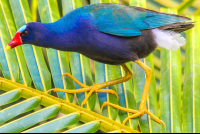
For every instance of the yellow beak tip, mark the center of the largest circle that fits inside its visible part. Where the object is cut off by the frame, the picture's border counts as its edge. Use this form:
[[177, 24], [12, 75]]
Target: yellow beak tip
[[8, 47]]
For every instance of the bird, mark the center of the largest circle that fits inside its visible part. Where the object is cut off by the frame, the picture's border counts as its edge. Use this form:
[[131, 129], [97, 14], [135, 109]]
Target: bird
[[109, 33]]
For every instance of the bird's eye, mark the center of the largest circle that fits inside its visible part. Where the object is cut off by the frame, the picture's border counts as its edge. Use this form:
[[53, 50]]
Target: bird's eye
[[24, 33]]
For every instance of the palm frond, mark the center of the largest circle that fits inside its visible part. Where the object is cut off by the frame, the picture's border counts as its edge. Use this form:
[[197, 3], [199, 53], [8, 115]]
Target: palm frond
[[53, 106], [191, 90], [34, 57]]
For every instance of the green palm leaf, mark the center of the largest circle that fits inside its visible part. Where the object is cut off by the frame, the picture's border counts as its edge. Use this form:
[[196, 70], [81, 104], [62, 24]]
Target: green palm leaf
[[10, 97], [90, 127], [9, 65], [170, 88], [57, 124], [44, 114], [53, 106], [9, 23], [33, 54], [191, 89], [19, 108]]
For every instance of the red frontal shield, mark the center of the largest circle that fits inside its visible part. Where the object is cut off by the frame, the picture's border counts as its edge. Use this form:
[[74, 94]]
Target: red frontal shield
[[16, 41]]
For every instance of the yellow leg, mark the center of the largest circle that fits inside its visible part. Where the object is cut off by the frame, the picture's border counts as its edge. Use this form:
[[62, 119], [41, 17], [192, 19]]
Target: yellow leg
[[142, 109], [97, 87]]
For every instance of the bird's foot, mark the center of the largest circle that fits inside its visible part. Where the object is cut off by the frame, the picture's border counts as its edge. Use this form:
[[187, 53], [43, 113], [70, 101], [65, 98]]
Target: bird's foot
[[91, 89], [97, 88], [94, 88], [137, 113]]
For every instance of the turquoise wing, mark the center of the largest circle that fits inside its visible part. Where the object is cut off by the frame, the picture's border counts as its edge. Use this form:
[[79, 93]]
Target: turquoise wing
[[121, 20]]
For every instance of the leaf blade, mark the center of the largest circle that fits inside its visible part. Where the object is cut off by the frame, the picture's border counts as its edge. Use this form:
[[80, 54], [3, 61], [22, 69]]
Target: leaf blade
[[170, 88], [106, 124], [19, 108], [33, 55], [57, 124], [90, 127], [191, 82], [9, 65], [9, 97], [18, 50], [23, 123]]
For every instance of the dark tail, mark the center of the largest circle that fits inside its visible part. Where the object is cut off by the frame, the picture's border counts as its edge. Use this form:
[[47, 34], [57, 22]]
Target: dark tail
[[178, 27]]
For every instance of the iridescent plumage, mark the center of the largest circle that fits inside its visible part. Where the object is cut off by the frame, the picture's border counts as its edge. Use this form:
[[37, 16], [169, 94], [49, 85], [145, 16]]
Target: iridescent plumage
[[109, 33]]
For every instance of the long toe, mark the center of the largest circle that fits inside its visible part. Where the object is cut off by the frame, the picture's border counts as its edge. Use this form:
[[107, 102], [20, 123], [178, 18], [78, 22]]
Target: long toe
[[51, 90], [74, 79], [142, 112], [132, 116], [156, 118], [108, 91], [137, 113]]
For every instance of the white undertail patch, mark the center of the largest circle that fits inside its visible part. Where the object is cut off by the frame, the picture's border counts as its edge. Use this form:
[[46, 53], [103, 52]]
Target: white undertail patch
[[168, 39]]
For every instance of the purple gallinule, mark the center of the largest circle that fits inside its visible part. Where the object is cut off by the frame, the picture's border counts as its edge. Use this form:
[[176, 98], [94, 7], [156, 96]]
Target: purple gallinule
[[112, 34]]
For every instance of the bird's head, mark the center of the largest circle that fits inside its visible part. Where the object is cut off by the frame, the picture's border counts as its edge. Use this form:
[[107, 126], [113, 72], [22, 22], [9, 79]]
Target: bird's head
[[27, 34], [18, 38]]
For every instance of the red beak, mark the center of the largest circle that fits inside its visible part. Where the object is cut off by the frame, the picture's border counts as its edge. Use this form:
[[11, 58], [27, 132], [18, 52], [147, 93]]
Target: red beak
[[16, 41]]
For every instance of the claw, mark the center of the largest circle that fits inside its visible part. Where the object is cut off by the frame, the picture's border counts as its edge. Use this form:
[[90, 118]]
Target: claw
[[55, 90], [116, 95], [83, 103], [132, 116], [104, 104], [156, 118], [108, 91], [163, 124], [66, 74], [50, 90]]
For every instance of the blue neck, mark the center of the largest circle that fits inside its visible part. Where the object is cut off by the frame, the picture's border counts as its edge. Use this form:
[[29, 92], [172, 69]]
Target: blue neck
[[58, 36], [66, 34]]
